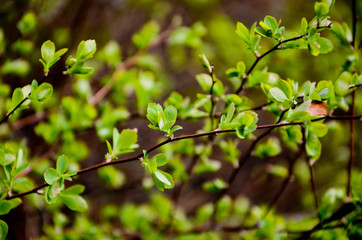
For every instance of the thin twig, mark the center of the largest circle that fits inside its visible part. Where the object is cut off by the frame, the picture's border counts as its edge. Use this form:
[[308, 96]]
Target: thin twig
[[169, 140]]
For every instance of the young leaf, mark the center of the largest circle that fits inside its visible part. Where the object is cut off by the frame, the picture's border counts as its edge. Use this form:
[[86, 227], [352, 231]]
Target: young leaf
[[243, 32], [278, 94], [321, 9], [18, 96], [86, 50], [51, 176], [54, 190], [170, 114], [47, 52], [5, 207], [205, 63], [153, 111], [160, 176], [325, 45], [74, 202], [43, 92], [74, 190], [62, 164], [161, 159]]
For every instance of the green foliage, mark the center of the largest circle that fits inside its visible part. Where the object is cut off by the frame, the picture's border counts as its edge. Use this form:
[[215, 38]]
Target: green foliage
[[49, 56], [162, 179], [228, 181], [162, 120], [85, 51], [123, 143]]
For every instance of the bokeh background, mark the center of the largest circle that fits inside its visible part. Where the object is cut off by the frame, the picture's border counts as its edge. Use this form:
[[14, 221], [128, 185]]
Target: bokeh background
[[67, 22]]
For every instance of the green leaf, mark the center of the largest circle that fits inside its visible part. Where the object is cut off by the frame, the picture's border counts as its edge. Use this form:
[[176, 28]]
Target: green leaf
[[278, 94], [161, 159], [27, 23], [3, 229], [214, 185], [243, 32], [205, 63], [126, 141], [59, 53], [170, 114], [160, 176], [73, 190], [205, 81], [5, 207], [298, 116], [271, 22], [86, 50], [44, 91], [153, 110], [286, 88], [278, 170], [224, 207], [313, 146], [321, 9], [318, 128], [62, 164], [157, 182], [17, 67], [270, 148], [303, 26], [175, 128], [54, 190], [74, 202], [51, 176], [230, 113], [18, 96], [47, 53], [325, 45], [143, 38], [204, 213], [246, 123], [49, 56], [314, 48]]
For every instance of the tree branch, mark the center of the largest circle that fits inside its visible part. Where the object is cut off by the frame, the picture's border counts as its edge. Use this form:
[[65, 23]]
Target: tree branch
[[169, 140]]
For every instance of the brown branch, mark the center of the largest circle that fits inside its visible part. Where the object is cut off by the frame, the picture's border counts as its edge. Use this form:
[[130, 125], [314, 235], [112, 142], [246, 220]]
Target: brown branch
[[211, 133]]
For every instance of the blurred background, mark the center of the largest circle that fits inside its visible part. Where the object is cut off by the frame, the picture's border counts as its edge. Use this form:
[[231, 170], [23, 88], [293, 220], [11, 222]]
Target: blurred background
[[212, 26]]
